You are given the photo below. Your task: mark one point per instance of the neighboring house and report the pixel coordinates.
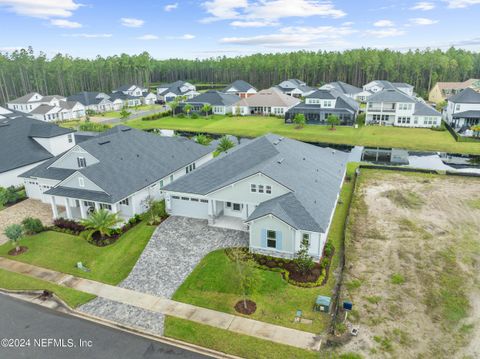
(132, 90)
(379, 85)
(323, 103)
(240, 88)
(117, 170)
(94, 101)
(25, 143)
(221, 103)
(443, 90)
(120, 100)
(169, 92)
(149, 98)
(394, 107)
(463, 111)
(279, 190)
(266, 102)
(344, 88)
(295, 88)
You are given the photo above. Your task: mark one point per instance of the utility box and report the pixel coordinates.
(347, 305)
(322, 304)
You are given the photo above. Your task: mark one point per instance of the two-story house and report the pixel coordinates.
(443, 90)
(241, 89)
(134, 95)
(118, 170)
(319, 105)
(94, 101)
(170, 91)
(463, 110)
(295, 88)
(344, 88)
(279, 190)
(395, 108)
(380, 85)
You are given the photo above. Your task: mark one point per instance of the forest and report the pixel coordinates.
(23, 71)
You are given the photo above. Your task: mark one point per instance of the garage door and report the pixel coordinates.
(33, 189)
(189, 207)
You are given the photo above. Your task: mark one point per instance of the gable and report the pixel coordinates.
(73, 182)
(69, 159)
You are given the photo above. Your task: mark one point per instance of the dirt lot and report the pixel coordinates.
(412, 266)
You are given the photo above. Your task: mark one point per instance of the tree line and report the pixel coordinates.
(23, 71)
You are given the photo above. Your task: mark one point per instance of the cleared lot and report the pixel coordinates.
(412, 266)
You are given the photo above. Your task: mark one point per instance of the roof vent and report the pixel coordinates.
(138, 156)
(280, 161)
(304, 158)
(276, 142)
(280, 139)
(333, 152)
(103, 143)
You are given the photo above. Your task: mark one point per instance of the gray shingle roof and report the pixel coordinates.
(467, 114)
(125, 88)
(240, 86)
(24, 98)
(344, 88)
(43, 171)
(215, 98)
(42, 109)
(422, 109)
(466, 96)
(86, 98)
(312, 173)
(18, 148)
(322, 94)
(173, 87)
(80, 193)
(390, 95)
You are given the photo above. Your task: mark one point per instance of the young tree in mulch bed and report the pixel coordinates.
(14, 233)
(247, 278)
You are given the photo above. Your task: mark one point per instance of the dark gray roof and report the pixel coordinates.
(42, 109)
(390, 95)
(86, 98)
(18, 148)
(43, 171)
(401, 84)
(340, 108)
(173, 87)
(240, 86)
(322, 94)
(81, 136)
(125, 88)
(344, 88)
(122, 96)
(422, 109)
(80, 193)
(312, 173)
(215, 98)
(342, 101)
(467, 114)
(24, 98)
(130, 160)
(466, 96)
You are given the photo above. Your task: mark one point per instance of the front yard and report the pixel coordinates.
(374, 136)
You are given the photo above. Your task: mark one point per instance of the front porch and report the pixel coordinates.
(231, 215)
(229, 223)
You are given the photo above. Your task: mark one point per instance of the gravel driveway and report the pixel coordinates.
(174, 250)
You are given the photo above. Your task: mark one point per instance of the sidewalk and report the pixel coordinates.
(241, 325)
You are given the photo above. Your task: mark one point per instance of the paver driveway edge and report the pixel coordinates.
(255, 328)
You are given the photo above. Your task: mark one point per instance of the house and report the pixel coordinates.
(295, 88)
(117, 170)
(120, 100)
(169, 92)
(25, 143)
(443, 90)
(394, 107)
(93, 101)
(149, 98)
(379, 85)
(134, 91)
(323, 103)
(344, 88)
(222, 103)
(240, 88)
(463, 111)
(266, 102)
(279, 190)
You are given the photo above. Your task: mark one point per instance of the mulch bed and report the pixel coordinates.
(14, 252)
(250, 309)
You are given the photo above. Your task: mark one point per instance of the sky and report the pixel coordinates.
(201, 29)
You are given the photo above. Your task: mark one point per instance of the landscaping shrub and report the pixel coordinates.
(9, 195)
(32, 225)
(182, 115)
(328, 250)
(93, 127)
(68, 226)
(194, 115)
(157, 116)
(361, 119)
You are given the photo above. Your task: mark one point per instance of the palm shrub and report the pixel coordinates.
(299, 120)
(333, 121)
(206, 109)
(187, 108)
(32, 225)
(173, 105)
(202, 139)
(225, 144)
(14, 233)
(101, 221)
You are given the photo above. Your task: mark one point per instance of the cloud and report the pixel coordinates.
(41, 8)
(383, 23)
(458, 4)
(171, 7)
(422, 21)
(257, 23)
(348, 23)
(148, 37)
(293, 36)
(388, 32)
(66, 24)
(423, 5)
(88, 36)
(182, 37)
(131, 22)
(271, 10)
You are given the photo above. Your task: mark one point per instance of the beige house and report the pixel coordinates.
(442, 90)
(266, 102)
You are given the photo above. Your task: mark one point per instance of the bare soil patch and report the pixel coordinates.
(247, 309)
(412, 266)
(14, 252)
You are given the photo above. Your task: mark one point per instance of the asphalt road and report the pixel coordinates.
(36, 332)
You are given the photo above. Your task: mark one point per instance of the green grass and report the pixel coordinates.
(474, 203)
(376, 136)
(404, 199)
(231, 343)
(16, 281)
(61, 252)
(397, 278)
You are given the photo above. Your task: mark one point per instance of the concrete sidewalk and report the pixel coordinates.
(241, 325)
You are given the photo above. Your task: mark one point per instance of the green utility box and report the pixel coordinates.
(322, 304)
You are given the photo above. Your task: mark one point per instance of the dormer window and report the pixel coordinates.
(70, 138)
(82, 162)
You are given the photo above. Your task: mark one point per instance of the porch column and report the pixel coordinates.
(82, 210)
(97, 206)
(68, 209)
(54, 207)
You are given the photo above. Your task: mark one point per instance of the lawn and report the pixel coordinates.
(375, 136)
(61, 252)
(16, 281)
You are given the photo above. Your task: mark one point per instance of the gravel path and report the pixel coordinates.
(174, 250)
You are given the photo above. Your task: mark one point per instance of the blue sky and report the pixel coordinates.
(191, 29)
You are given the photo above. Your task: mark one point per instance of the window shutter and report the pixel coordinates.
(264, 238)
(279, 240)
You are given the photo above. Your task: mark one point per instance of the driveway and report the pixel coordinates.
(172, 253)
(27, 208)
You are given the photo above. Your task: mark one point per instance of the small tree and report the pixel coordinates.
(173, 105)
(14, 233)
(333, 121)
(187, 108)
(202, 140)
(156, 210)
(476, 130)
(225, 144)
(299, 120)
(124, 114)
(303, 260)
(206, 109)
(246, 274)
(101, 221)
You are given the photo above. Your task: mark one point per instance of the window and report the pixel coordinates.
(82, 162)
(89, 204)
(185, 198)
(204, 200)
(268, 189)
(253, 188)
(125, 202)
(260, 188)
(306, 237)
(105, 206)
(161, 183)
(190, 168)
(171, 178)
(229, 204)
(457, 107)
(271, 239)
(237, 207)
(175, 197)
(81, 182)
(194, 199)
(70, 138)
